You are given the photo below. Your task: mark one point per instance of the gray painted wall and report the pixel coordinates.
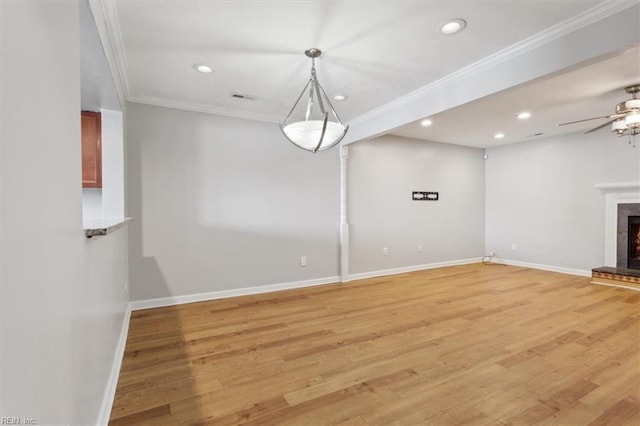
(223, 203)
(382, 174)
(62, 296)
(541, 196)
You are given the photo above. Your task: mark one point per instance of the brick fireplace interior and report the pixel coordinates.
(628, 237)
(633, 243)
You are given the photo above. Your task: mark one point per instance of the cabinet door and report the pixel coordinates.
(91, 150)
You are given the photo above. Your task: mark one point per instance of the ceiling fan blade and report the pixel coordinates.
(600, 126)
(586, 119)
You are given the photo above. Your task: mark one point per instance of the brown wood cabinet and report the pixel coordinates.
(91, 150)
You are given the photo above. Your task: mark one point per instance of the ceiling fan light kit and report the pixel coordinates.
(316, 131)
(626, 120)
(627, 117)
(632, 121)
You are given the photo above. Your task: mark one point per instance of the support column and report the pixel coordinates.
(344, 217)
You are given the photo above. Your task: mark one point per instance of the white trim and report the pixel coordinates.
(551, 268)
(112, 381)
(223, 294)
(208, 109)
(413, 268)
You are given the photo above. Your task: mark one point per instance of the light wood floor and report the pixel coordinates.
(472, 345)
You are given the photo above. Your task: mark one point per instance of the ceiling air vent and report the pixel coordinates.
(245, 97)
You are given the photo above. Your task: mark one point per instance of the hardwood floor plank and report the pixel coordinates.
(469, 345)
(622, 413)
(148, 415)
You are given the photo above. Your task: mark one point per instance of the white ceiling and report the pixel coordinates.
(375, 52)
(592, 90)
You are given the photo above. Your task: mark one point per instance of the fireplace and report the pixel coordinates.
(628, 236)
(633, 242)
(621, 236)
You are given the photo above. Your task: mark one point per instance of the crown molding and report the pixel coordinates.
(106, 19)
(111, 37)
(590, 16)
(209, 109)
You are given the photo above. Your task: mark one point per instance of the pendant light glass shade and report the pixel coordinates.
(313, 125)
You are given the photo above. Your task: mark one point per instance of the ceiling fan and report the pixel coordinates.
(625, 121)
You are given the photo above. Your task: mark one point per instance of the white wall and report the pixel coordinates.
(541, 196)
(383, 172)
(112, 163)
(91, 203)
(62, 296)
(224, 203)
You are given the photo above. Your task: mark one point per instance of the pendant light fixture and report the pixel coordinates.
(310, 126)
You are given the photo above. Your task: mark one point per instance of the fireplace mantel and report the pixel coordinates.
(615, 193)
(619, 187)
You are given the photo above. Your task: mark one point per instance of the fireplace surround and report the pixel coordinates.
(622, 238)
(617, 194)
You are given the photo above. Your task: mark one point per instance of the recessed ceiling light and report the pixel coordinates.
(205, 69)
(499, 135)
(524, 115)
(340, 97)
(452, 26)
(426, 123)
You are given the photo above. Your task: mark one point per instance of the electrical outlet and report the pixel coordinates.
(420, 248)
(514, 246)
(385, 251)
(303, 261)
(492, 253)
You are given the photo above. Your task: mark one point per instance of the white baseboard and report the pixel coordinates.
(551, 268)
(223, 294)
(112, 381)
(413, 268)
